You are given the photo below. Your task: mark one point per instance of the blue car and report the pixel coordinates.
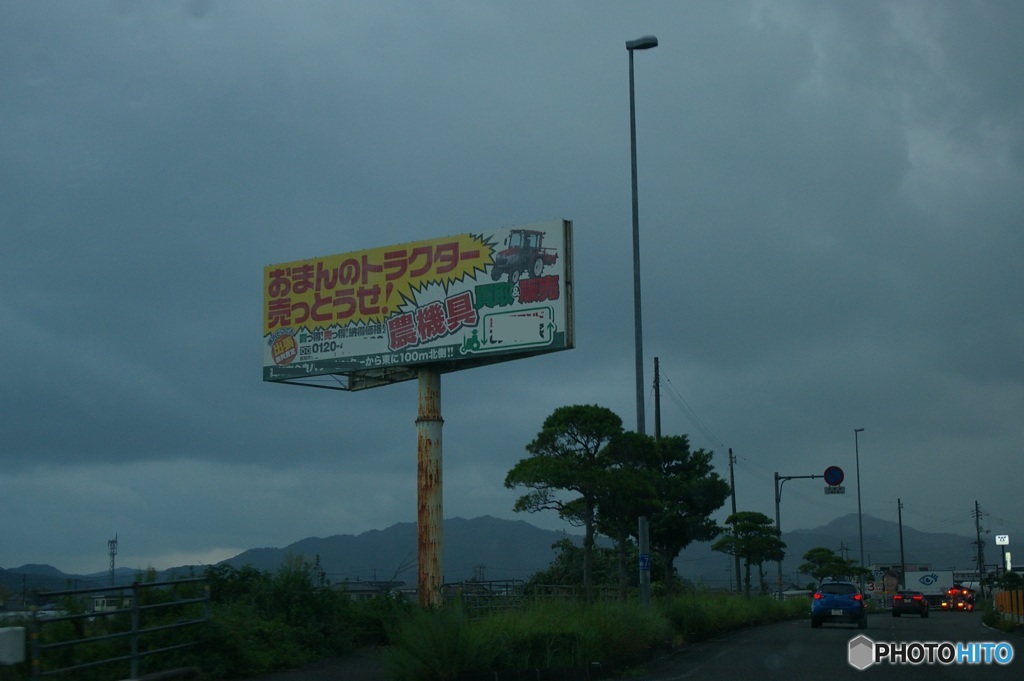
(838, 602)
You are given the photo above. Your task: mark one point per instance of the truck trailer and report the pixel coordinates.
(932, 583)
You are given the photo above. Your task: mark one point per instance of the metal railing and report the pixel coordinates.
(480, 598)
(93, 626)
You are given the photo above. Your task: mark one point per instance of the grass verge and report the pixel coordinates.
(444, 644)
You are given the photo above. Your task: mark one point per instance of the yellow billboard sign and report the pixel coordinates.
(370, 317)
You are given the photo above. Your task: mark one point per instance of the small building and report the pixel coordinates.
(111, 603)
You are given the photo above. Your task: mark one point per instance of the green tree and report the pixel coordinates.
(1007, 581)
(566, 458)
(567, 567)
(688, 491)
(822, 563)
(755, 539)
(629, 491)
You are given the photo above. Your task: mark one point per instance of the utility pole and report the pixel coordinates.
(112, 550)
(780, 480)
(903, 560)
(732, 484)
(981, 548)
(643, 534)
(657, 400)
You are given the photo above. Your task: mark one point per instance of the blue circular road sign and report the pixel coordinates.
(834, 475)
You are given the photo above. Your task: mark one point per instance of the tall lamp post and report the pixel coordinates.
(860, 518)
(645, 43)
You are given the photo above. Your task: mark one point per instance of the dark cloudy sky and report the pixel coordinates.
(831, 209)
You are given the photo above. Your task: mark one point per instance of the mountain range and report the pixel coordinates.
(493, 549)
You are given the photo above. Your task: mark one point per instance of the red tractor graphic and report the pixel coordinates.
(524, 252)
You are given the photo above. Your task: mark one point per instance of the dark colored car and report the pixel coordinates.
(838, 602)
(912, 602)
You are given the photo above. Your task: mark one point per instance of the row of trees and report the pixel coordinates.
(596, 475)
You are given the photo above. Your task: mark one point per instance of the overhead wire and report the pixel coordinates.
(668, 388)
(936, 524)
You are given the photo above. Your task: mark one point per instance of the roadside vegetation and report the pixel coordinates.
(582, 612)
(615, 637)
(1012, 584)
(264, 622)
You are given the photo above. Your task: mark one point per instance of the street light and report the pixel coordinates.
(860, 518)
(645, 43)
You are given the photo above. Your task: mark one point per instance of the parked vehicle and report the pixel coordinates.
(838, 602)
(909, 602)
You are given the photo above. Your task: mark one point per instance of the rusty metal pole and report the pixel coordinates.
(428, 488)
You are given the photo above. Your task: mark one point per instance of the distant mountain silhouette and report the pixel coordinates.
(508, 549)
(36, 577)
(494, 549)
(39, 569)
(937, 550)
(487, 546)
(940, 550)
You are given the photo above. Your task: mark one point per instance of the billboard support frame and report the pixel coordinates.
(429, 490)
(372, 318)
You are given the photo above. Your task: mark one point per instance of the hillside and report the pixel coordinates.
(502, 549)
(495, 549)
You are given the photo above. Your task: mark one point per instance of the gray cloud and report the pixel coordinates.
(830, 211)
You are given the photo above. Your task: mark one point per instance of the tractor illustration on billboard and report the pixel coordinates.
(524, 252)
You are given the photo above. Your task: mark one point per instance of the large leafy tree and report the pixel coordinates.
(567, 567)
(755, 539)
(688, 491)
(823, 563)
(566, 459)
(629, 491)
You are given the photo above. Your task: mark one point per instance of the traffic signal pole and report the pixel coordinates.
(780, 480)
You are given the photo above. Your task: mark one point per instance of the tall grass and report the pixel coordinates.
(437, 645)
(700, 615)
(264, 622)
(443, 644)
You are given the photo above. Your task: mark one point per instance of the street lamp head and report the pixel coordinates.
(858, 430)
(645, 43)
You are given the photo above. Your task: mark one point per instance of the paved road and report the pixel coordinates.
(362, 666)
(792, 651)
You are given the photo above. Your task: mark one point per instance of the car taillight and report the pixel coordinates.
(857, 597)
(817, 595)
(897, 598)
(918, 598)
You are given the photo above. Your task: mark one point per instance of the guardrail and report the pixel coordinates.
(90, 626)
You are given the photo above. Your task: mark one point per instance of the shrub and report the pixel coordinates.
(376, 621)
(700, 615)
(432, 645)
(264, 622)
(439, 644)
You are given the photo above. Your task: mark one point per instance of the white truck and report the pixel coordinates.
(932, 583)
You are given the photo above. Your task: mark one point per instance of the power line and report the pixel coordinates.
(688, 411)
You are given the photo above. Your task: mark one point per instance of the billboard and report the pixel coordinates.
(368, 318)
